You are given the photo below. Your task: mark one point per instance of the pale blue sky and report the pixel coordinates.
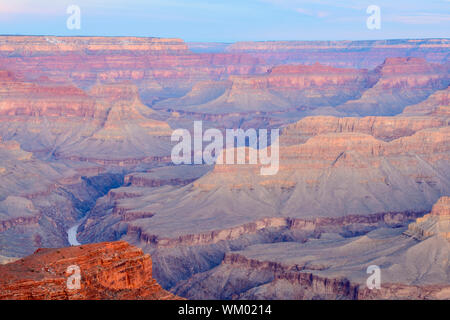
(230, 20)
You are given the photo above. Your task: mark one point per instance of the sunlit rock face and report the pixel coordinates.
(113, 271)
(436, 223)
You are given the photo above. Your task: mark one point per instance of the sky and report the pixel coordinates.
(230, 20)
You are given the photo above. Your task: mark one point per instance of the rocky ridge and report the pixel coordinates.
(113, 271)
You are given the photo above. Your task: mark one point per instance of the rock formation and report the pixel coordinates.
(113, 271)
(402, 82)
(436, 223)
(317, 89)
(107, 124)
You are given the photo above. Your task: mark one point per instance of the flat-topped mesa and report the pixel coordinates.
(436, 223)
(316, 68)
(385, 128)
(428, 143)
(412, 72)
(358, 165)
(255, 46)
(64, 102)
(111, 270)
(305, 76)
(401, 82)
(52, 45)
(26, 98)
(406, 65)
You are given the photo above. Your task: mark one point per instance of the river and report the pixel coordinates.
(72, 234)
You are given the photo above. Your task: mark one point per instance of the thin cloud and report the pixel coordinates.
(312, 13)
(424, 18)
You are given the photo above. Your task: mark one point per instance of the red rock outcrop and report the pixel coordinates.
(435, 223)
(113, 271)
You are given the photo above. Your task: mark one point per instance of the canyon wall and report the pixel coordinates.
(360, 54)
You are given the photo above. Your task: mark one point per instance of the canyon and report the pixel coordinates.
(85, 158)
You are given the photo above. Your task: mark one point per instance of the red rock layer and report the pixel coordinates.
(35, 45)
(301, 77)
(113, 270)
(154, 64)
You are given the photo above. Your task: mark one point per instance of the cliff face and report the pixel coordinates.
(383, 128)
(50, 45)
(360, 54)
(158, 67)
(436, 223)
(281, 88)
(113, 270)
(319, 89)
(402, 82)
(166, 68)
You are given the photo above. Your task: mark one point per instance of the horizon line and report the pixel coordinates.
(215, 41)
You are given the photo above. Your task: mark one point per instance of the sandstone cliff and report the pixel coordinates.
(113, 271)
(436, 223)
